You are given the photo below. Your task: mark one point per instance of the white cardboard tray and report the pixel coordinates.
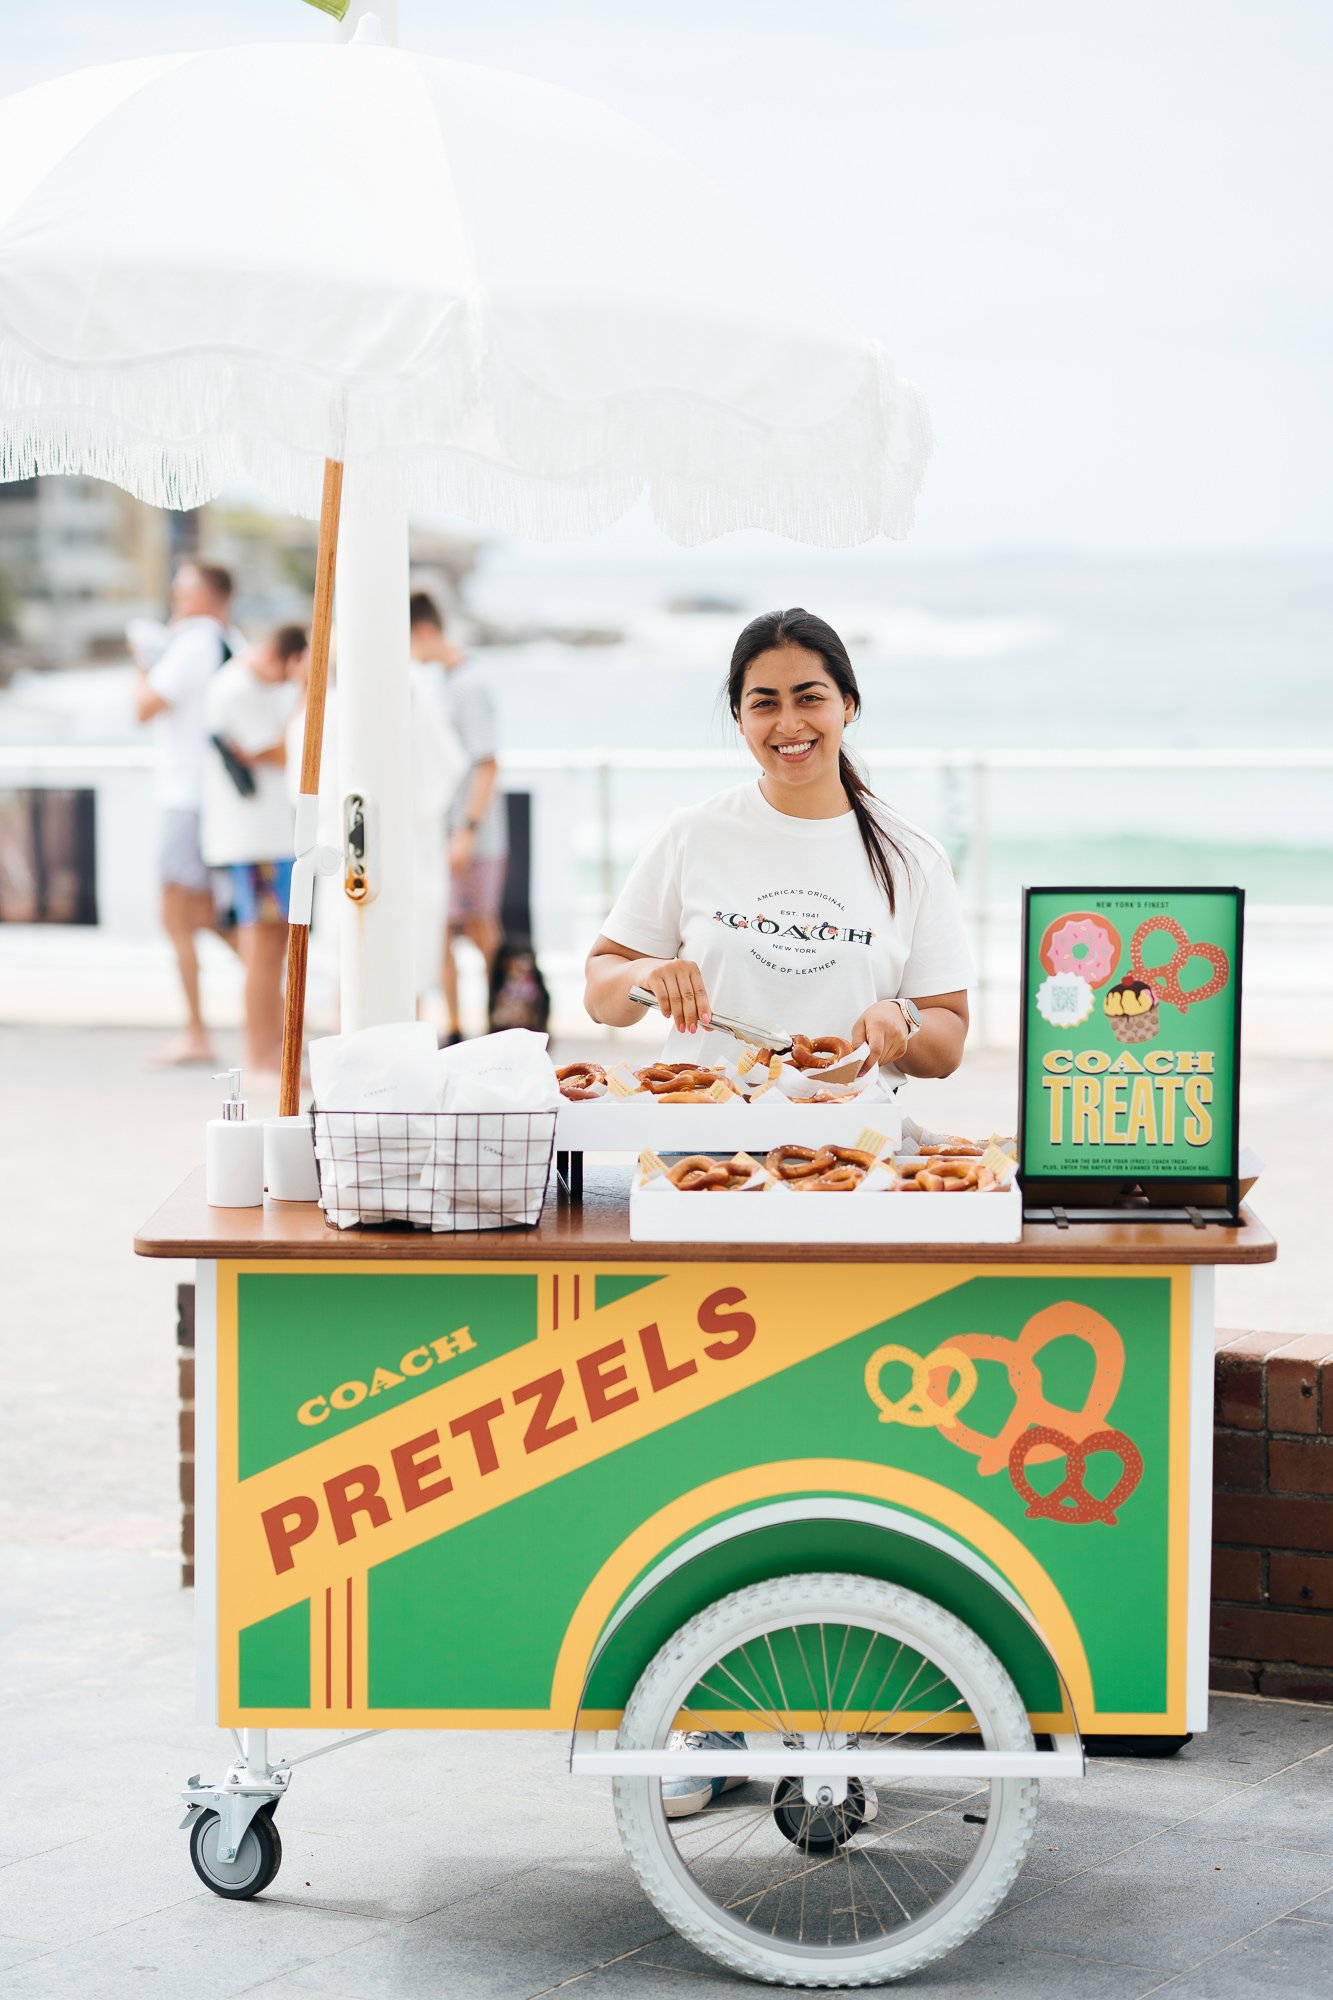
(659, 1214)
(627, 1125)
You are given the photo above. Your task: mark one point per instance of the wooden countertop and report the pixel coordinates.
(597, 1231)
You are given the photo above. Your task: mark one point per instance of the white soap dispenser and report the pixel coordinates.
(233, 1152)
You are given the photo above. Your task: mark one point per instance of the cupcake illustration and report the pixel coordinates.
(1131, 1008)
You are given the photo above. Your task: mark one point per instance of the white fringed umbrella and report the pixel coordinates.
(475, 293)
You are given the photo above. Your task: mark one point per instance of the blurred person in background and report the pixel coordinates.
(248, 822)
(169, 693)
(478, 824)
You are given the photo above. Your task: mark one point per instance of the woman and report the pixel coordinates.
(798, 903)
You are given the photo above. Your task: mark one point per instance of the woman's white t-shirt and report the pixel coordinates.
(786, 921)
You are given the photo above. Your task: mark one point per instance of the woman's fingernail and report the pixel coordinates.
(707, 1020)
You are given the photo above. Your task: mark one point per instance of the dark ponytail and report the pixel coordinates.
(775, 629)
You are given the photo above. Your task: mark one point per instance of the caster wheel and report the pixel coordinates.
(258, 1858)
(817, 1829)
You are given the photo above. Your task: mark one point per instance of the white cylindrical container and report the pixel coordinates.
(289, 1159)
(233, 1153)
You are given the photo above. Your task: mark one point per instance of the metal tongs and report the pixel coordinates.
(744, 1031)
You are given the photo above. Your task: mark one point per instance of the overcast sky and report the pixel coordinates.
(1096, 234)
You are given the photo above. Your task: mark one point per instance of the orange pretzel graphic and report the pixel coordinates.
(1019, 1359)
(1165, 979)
(1086, 1506)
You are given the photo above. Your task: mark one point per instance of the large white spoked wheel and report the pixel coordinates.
(855, 1893)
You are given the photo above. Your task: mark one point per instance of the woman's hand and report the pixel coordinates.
(676, 984)
(884, 1030)
(678, 987)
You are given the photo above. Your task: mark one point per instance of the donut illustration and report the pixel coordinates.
(1083, 944)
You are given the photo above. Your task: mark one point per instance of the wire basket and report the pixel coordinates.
(440, 1170)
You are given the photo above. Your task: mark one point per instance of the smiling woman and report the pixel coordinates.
(799, 900)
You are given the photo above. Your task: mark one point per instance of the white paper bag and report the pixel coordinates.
(510, 1071)
(389, 1068)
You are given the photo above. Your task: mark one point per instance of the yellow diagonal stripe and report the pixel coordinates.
(701, 1334)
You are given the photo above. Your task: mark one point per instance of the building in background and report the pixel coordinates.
(79, 558)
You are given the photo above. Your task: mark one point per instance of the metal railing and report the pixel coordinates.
(597, 821)
(973, 772)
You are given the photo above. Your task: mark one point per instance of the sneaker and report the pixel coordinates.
(683, 1796)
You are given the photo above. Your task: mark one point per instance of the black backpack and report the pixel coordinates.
(519, 996)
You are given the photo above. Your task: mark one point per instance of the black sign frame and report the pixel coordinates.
(1166, 1197)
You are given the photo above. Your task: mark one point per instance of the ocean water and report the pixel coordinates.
(1008, 653)
(1004, 654)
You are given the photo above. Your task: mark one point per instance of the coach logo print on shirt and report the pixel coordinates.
(794, 930)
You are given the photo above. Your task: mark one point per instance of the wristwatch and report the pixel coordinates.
(910, 1015)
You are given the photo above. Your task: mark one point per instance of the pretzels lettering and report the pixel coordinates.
(1165, 979)
(1019, 1360)
(1073, 1488)
(920, 1408)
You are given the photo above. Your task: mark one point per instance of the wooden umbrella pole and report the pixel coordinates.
(298, 936)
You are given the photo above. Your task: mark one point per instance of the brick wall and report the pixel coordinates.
(1272, 1510)
(1272, 1630)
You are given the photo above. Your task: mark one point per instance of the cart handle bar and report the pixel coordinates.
(1064, 1761)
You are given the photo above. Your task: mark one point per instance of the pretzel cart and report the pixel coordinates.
(832, 1503)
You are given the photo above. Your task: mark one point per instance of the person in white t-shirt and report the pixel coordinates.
(248, 822)
(798, 902)
(169, 690)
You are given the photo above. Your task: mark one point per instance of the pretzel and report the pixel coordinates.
(1073, 1487)
(968, 1148)
(797, 1163)
(580, 1080)
(701, 1174)
(821, 1053)
(687, 1096)
(838, 1180)
(697, 1171)
(1020, 1360)
(658, 1077)
(1165, 978)
(852, 1156)
(950, 1176)
(920, 1408)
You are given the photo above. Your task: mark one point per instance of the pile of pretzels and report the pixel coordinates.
(820, 1169)
(953, 1166)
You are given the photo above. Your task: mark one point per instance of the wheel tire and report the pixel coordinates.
(806, 1599)
(258, 1858)
(817, 1832)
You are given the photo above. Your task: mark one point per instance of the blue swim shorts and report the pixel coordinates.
(260, 891)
